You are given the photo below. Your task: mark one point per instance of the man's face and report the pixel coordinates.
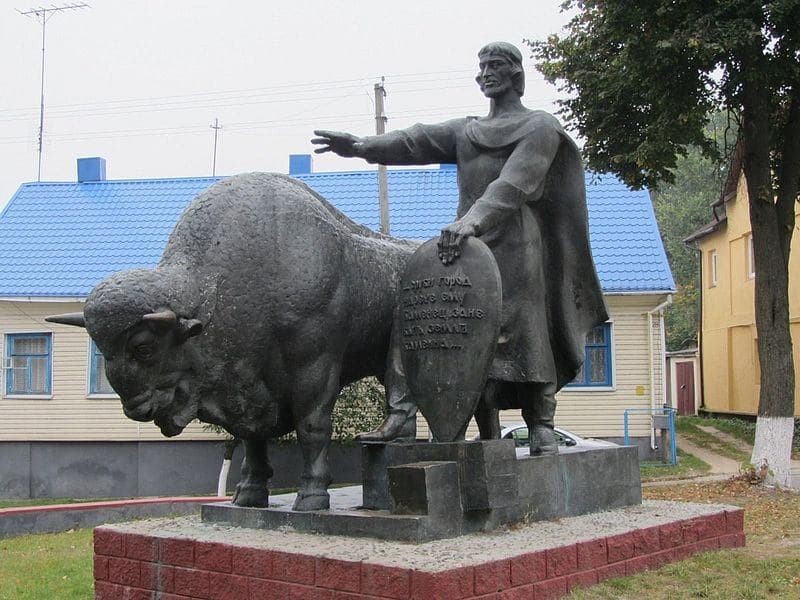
(494, 77)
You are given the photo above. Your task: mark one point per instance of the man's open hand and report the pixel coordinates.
(338, 142)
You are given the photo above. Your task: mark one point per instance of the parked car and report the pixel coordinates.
(519, 433)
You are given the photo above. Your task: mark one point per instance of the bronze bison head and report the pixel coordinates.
(137, 320)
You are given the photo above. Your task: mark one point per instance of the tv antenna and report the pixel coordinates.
(43, 15)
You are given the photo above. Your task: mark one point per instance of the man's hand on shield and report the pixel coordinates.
(452, 237)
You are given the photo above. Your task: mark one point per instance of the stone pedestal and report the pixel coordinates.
(424, 491)
(487, 471)
(186, 558)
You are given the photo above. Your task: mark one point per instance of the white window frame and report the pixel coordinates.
(751, 259)
(4, 381)
(90, 345)
(713, 266)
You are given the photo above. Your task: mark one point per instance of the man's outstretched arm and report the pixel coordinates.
(417, 145)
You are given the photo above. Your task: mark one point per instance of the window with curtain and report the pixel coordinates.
(596, 369)
(98, 384)
(28, 364)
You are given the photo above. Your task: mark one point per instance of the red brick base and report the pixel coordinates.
(130, 566)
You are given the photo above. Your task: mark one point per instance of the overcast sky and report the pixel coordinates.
(140, 82)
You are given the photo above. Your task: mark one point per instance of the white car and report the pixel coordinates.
(519, 433)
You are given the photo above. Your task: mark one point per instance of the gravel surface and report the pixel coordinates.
(439, 554)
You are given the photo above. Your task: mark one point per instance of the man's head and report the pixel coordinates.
(500, 66)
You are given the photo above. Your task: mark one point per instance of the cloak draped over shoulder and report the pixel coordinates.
(521, 183)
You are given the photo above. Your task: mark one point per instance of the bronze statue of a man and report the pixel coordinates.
(522, 192)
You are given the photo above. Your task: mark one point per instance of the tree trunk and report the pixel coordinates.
(774, 427)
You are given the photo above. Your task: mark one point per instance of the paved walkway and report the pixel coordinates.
(722, 468)
(727, 438)
(720, 465)
(743, 446)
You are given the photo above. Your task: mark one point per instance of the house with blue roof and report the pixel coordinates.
(58, 239)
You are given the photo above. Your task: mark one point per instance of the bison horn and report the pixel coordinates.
(164, 317)
(77, 319)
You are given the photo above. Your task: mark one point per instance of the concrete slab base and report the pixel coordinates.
(186, 558)
(425, 491)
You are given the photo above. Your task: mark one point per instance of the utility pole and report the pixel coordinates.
(43, 15)
(383, 185)
(216, 127)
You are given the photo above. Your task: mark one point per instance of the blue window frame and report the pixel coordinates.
(98, 384)
(28, 364)
(596, 369)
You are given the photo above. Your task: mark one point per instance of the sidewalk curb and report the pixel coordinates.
(53, 518)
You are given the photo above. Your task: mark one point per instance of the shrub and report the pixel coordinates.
(359, 407)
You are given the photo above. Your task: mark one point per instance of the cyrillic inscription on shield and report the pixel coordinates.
(449, 320)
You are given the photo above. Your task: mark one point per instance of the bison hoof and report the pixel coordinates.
(248, 494)
(306, 502)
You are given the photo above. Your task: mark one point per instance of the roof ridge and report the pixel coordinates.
(112, 181)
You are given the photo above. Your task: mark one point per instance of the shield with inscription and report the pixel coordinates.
(449, 320)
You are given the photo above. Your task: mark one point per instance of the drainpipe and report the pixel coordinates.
(651, 366)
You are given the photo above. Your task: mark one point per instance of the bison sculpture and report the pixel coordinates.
(266, 302)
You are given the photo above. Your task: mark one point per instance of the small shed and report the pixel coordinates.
(683, 381)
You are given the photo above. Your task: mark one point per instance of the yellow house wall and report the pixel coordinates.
(70, 413)
(728, 338)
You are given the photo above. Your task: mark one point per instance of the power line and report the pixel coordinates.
(175, 102)
(43, 15)
(249, 126)
(143, 106)
(270, 90)
(301, 117)
(121, 111)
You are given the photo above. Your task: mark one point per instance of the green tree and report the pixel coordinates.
(681, 208)
(643, 77)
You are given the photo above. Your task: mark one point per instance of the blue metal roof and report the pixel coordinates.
(60, 239)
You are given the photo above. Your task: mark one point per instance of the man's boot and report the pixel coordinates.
(397, 427)
(539, 419)
(543, 440)
(400, 424)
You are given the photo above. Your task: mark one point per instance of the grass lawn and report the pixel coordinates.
(688, 466)
(768, 567)
(47, 566)
(738, 428)
(688, 427)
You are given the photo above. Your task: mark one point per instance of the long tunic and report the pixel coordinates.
(528, 201)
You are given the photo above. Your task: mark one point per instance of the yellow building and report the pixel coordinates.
(728, 338)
